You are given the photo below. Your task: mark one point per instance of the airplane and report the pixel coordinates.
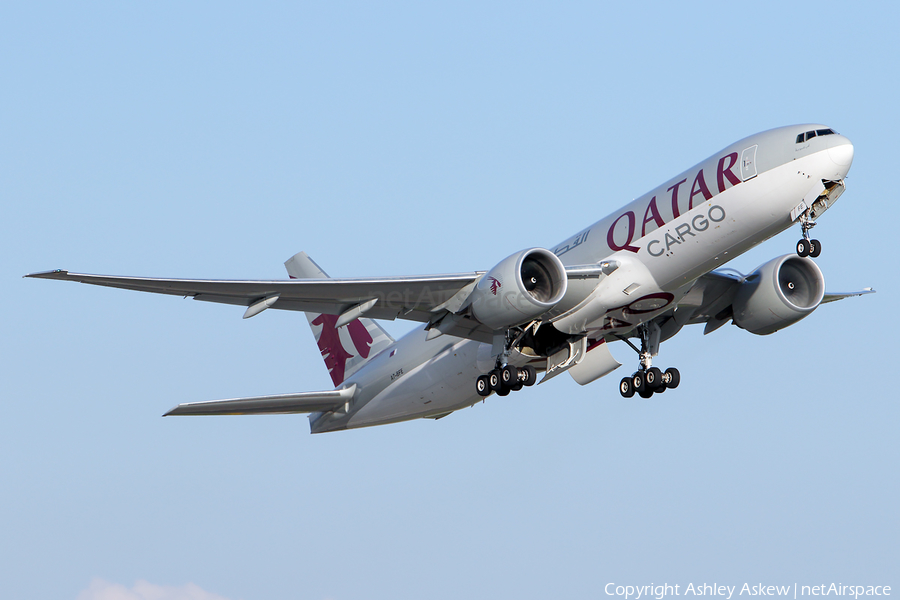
(641, 274)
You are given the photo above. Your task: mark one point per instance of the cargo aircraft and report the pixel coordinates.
(637, 276)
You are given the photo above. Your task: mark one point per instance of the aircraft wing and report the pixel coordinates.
(709, 300)
(304, 402)
(835, 296)
(416, 298)
(412, 298)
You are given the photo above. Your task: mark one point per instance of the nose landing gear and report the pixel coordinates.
(807, 247)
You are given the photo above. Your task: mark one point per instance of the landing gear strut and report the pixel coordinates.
(648, 380)
(807, 247)
(506, 378)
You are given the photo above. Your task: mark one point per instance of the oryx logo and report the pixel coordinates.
(332, 347)
(495, 285)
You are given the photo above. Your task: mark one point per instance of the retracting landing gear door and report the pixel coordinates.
(748, 163)
(833, 191)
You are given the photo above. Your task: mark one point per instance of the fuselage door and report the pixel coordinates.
(748, 163)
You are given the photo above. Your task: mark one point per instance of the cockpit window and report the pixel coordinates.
(805, 137)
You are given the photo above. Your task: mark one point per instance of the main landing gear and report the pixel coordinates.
(648, 380)
(505, 380)
(807, 247)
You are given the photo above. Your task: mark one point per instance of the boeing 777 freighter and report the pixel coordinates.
(637, 276)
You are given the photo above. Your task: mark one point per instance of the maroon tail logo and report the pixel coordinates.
(495, 285)
(333, 351)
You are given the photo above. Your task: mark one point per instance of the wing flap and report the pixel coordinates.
(303, 402)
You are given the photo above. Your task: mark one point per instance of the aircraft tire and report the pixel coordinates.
(494, 381)
(639, 382)
(674, 378)
(482, 386)
(816, 248)
(654, 379)
(626, 388)
(503, 391)
(803, 248)
(645, 394)
(509, 375)
(530, 375)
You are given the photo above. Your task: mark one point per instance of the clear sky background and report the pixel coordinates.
(217, 139)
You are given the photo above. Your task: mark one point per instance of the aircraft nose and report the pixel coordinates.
(841, 152)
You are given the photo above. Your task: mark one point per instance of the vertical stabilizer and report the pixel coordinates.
(344, 349)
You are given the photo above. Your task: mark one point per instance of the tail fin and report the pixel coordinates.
(365, 336)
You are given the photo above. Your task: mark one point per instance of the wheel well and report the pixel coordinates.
(546, 341)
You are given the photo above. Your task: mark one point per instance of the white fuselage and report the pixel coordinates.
(663, 241)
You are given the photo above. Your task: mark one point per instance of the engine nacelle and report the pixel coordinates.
(778, 294)
(520, 288)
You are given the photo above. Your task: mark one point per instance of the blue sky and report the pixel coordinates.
(218, 139)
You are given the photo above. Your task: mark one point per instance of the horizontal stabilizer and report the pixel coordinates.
(303, 402)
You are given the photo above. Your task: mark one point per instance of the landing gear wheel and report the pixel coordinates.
(482, 386)
(530, 375)
(638, 382)
(494, 381)
(803, 248)
(503, 391)
(509, 375)
(645, 393)
(653, 377)
(816, 248)
(626, 387)
(516, 386)
(673, 378)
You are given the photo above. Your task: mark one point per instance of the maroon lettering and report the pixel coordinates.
(610, 235)
(674, 190)
(724, 171)
(699, 187)
(651, 214)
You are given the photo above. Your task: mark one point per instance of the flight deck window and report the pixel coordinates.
(805, 137)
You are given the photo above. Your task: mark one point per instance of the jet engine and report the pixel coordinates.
(778, 294)
(520, 288)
